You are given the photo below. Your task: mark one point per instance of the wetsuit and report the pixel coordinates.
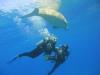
(59, 58)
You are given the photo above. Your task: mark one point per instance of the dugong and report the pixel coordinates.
(55, 18)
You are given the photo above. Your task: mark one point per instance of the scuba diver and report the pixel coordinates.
(46, 46)
(59, 58)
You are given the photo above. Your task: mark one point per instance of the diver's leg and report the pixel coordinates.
(36, 52)
(19, 56)
(54, 68)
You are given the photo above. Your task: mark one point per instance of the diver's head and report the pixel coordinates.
(65, 50)
(65, 46)
(51, 39)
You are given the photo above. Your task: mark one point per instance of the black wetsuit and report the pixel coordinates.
(45, 47)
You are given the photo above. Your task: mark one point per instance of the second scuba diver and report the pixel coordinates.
(59, 58)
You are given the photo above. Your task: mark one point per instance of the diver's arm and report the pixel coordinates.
(50, 58)
(66, 54)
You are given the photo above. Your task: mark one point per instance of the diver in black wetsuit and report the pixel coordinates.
(59, 58)
(45, 46)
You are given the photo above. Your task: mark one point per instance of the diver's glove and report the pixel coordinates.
(47, 57)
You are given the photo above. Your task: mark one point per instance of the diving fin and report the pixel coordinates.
(12, 60)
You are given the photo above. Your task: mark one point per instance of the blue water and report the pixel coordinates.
(83, 37)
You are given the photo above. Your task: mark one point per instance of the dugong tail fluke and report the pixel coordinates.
(34, 13)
